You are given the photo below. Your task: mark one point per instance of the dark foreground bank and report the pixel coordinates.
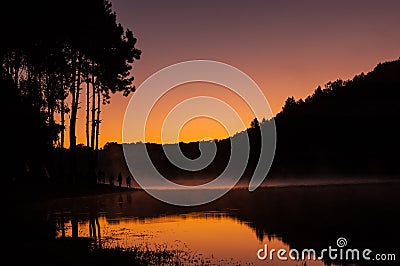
(31, 236)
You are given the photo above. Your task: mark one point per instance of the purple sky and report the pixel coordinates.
(287, 47)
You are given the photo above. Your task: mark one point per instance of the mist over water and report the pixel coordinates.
(277, 182)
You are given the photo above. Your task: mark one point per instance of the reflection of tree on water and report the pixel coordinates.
(261, 233)
(61, 225)
(94, 228)
(315, 217)
(74, 222)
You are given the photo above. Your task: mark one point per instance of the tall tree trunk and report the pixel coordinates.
(51, 86)
(74, 108)
(72, 121)
(72, 138)
(93, 110)
(91, 153)
(98, 120)
(97, 129)
(91, 167)
(87, 109)
(62, 111)
(74, 111)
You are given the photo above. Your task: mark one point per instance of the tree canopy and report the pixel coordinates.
(51, 49)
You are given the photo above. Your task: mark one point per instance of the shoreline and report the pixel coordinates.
(33, 192)
(22, 193)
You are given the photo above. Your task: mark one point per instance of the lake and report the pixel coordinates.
(233, 229)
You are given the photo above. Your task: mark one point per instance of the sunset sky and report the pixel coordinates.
(287, 47)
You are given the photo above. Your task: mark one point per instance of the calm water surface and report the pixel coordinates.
(233, 228)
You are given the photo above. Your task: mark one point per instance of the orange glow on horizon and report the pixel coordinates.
(300, 86)
(198, 129)
(166, 124)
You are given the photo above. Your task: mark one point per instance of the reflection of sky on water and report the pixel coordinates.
(214, 236)
(241, 222)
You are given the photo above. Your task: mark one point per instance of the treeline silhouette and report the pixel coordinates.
(58, 57)
(347, 128)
